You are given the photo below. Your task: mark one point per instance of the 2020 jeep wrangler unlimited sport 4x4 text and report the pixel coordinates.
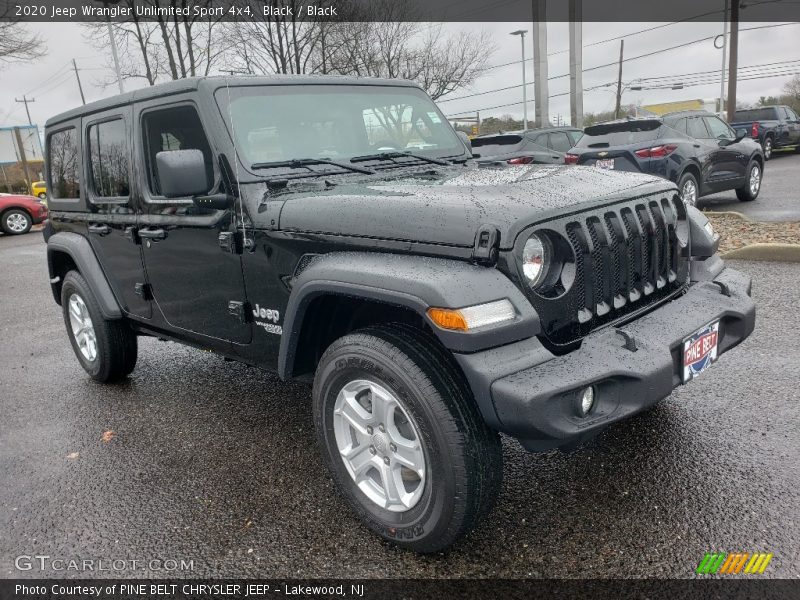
(336, 230)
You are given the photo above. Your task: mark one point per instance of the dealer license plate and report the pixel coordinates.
(604, 163)
(700, 350)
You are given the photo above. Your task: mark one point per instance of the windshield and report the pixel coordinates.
(275, 123)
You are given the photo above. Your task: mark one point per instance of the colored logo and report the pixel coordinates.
(700, 350)
(734, 564)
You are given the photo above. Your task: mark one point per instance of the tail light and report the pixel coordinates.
(656, 151)
(570, 159)
(521, 160)
(754, 131)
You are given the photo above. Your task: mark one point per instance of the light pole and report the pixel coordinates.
(521, 33)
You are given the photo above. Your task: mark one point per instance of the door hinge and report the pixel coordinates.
(144, 290)
(240, 310)
(132, 234)
(231, 241)
(487, 244)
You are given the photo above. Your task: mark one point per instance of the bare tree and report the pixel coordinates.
(17, 43)
(382, 38)
(792, 87)
(168, 47)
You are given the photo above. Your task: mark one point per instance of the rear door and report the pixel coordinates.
(559, 143)
(111, 221)
(197, 286)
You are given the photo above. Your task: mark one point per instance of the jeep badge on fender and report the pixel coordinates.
(337, 230)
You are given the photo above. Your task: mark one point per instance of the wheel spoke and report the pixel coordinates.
(409, 454)
(355, 414)
(392, 485)
(359, 459)
(383, 406)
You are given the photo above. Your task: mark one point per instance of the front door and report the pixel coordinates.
(728, 163)
(196, 285)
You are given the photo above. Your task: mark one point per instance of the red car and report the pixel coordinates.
(18, 212)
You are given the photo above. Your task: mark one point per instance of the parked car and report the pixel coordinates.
(19, 212)
(540, 146)
(433, 303)
(771, 126)
(695, 149)
(39, 190)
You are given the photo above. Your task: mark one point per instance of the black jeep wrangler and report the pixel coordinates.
(336, 230)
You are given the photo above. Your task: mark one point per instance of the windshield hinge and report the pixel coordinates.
(487, 244)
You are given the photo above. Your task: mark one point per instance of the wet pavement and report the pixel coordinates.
(779, 199)
(216, 463)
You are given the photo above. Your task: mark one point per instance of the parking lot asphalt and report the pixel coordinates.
(779, 199)
(215, 462)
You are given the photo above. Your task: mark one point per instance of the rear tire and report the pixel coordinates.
(106, 349)
(767, 147)
(459, 461)
(749, 191)
(16, 222)
(689, 189)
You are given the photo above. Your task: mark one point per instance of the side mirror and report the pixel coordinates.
(741, 133)
(182, 173)
(465, 138)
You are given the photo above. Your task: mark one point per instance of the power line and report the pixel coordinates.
(615, 63)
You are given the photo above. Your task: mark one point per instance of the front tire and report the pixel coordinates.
(403, 439)
(749, 191)
(105, 348)
(16, 222)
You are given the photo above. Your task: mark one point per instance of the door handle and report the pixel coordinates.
(100, 229)
(152, 234)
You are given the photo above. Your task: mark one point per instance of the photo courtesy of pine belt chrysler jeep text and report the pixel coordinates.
(337, 230)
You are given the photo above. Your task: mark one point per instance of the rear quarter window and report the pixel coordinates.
(64, 165)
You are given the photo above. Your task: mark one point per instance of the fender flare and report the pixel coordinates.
(411, 282)
(80, 251)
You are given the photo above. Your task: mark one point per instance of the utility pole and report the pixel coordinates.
(724, 59)
(26, 101)
(521, 33)
(733, 61)
(576, 63)
(114, 55)
(541, 102)
(78, 77)
(619, 79)
(22, 158)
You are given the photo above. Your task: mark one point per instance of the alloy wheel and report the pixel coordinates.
(82, 327)
(768, 148)
(380, 445)
(755, 179)
(689, 193)
(17, 222)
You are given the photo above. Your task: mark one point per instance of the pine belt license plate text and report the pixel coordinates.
(700, 350)
(604, 163)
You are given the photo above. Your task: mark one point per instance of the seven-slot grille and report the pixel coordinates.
(627, 257)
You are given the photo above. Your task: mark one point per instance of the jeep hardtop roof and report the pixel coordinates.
(211, 83)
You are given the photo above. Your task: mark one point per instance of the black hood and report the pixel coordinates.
(449, 210)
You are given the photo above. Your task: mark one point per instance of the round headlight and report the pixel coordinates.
(535, 260)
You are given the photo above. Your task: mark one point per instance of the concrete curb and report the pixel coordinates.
(766, 252)
(728, 213)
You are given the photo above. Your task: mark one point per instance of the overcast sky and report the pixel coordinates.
(48, 82)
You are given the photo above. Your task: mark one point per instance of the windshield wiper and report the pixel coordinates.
(296, 163)
(393, 155)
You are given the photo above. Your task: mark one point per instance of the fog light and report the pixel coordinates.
(587, 400)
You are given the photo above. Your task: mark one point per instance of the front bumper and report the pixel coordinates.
(527, 392)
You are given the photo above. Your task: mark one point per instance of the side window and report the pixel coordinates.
(783, 113)
(177, 128)
(63, 163)
(560, 142)
(717, 128)
(109, 159)
(680, 126)
(696, 128)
